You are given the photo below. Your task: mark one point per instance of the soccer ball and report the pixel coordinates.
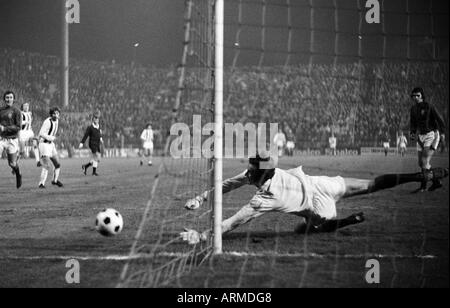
(109, 222)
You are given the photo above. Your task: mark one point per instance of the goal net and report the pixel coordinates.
(317, 68)
(158, 257)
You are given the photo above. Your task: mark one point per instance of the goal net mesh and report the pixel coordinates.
(315, 67)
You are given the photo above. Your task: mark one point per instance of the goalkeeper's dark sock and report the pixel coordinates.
(335, 224)
(391, 180)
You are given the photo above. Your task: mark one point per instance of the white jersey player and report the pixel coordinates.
(280, 142)
(333, 144)
(402, 143)
(147, 144)
(26, 133)
(47, 148)
(313, 198)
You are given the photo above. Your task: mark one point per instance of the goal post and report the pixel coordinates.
(218, 116)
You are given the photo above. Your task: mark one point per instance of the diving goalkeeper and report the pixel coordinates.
(313, 198)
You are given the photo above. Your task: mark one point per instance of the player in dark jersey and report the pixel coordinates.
(10, 125)
(425, 126)
(94, 133)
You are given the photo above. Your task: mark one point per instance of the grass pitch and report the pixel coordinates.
(407, 233)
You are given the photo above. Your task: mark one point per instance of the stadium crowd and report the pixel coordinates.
(362, 104)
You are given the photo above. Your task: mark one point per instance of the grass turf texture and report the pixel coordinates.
(407, 233)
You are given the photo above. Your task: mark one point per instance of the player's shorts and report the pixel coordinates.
(95, 149)
(25, 135)
(386, 145)
(326, 191)
(10, 145)
(148, 146)
(47, 149)
(402, 146)
(430, 140)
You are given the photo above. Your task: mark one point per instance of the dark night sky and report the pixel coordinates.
(109, 28)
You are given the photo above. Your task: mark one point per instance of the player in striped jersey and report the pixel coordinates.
(47, 148)
(26, 133)
(147, 144)
(94, 133)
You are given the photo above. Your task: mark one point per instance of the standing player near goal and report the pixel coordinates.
(402, 142)
(47, 148)
(313, 198)
(10, 124)
(94, 133)
(147, 144)
(425, 125)
(26, 134)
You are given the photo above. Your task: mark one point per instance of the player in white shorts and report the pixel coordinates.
(26, 133)
(47, 148)
(313, 198)
(147, 144)
(425, 125)
(402, 142)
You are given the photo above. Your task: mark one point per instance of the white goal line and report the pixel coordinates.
(237, 254)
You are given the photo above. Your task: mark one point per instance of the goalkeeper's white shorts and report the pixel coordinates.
(326, 192)
(26, 135)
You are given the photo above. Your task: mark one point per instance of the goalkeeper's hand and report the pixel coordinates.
(80, 146)
(192, 237)
(194, 204)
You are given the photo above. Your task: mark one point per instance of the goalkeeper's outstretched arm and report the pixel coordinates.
(227, 186)
(243, 216)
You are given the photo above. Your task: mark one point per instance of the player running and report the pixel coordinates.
(26, 134)
(425, 125)
(47, 148)
(313, 198)
(147, 137)
(402, 143)
(10, 124)
(94, 133)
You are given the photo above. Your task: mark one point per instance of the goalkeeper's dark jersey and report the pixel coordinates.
(94, 134)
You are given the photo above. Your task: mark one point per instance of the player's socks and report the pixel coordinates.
(44, 174)
(16, 170)
(94, 171)
(36, 154)
(335, 224)
(56, 175)
(391, 180)
(86, 167)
